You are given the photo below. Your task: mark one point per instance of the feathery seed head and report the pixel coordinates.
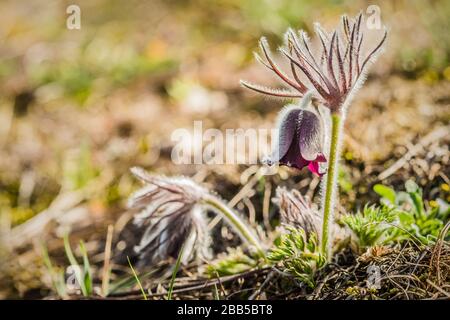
(170, 215)
(334, 72)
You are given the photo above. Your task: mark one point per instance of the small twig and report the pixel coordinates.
(397, 285)
(444, 177)
(237, 198)
(222, 288)
(107, 260)
(251, 210)
(312, 187)
(416, 265)
(322, 284)
(262, 286)
(434, 135)
(184, 289)
(438, 288)
(266, 205)
(436, 255)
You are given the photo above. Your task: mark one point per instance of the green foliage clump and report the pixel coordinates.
(82, 275)
(299, 255)
(414, 219)
(372, 225)
(236, 261)
(402, 216)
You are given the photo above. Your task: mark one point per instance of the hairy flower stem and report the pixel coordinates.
(235, 221)
(331, 188)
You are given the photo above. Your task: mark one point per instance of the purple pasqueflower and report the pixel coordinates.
(334, 70)
(301, 136)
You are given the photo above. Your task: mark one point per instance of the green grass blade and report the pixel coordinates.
(137, 279)
(56, 277)
(87, 277)
(126, 283)
(385, 192)
(74, 264)
(174, 274)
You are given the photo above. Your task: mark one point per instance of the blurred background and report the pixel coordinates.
(79, 107)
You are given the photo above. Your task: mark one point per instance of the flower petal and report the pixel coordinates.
(311, 135)
(293, 157)
(313, 166)
(287, 127)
